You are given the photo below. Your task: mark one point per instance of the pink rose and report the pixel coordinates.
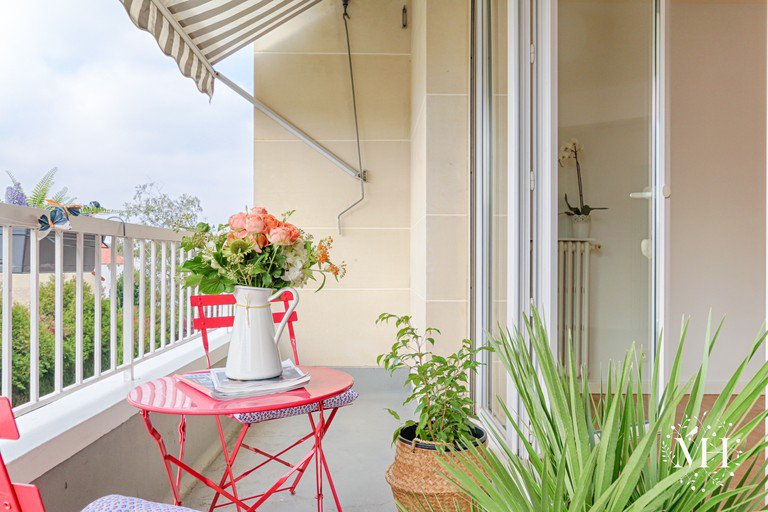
(280, 235)
(237, 221)
(254, 223)
(258, 210)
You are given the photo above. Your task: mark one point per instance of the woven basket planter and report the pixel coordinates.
(417, 476)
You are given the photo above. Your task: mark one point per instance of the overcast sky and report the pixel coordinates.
(84, 90)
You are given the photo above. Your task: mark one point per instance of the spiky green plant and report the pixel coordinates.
(610, 451)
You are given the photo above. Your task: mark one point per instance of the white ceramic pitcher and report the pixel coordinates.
(253, 352)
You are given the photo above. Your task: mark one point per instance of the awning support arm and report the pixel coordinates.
(292, 128)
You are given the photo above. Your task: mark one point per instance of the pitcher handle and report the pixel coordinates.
(288, 313)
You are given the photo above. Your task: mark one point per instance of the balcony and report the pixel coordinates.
(99, 324)
(425, 141)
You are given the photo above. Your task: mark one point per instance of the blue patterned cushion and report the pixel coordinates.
(115, 503)
(341, 400)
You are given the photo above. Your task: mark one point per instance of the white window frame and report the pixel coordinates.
(516, 289)
(541, 106)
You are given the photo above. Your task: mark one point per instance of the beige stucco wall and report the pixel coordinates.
(439, 219)
(406, 245)
(301, 71)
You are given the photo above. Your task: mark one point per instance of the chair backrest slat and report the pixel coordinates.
(14, 497)
(206, 320)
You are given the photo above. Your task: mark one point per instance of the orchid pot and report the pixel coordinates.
(581, 226)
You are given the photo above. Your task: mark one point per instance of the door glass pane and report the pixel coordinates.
(605, 78)
(497, 214)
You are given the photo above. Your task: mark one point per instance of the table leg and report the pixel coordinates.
(182, 443)
(330, 483)
(235, 450)
(164, 453)
(325, 429)
(228, 462)
(319, 457)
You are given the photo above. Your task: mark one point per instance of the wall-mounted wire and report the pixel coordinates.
(362, 174)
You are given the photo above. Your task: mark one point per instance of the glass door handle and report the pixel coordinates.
(641, 195)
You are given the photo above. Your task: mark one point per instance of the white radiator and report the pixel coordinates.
(573, 298)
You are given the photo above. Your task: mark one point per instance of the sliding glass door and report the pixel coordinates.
(605, 181)
(566, 107)
(499, 286)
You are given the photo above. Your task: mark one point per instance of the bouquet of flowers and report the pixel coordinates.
(256, 249)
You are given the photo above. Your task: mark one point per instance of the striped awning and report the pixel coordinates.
(200, 33)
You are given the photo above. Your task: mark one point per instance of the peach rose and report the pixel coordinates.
(280, 235)
(295, 233)
(258, 210)
(254, 224)
(270, 222)
(261, 241)
(237, 221)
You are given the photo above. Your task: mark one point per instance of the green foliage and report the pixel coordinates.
(580, 210)
(42, 191)
(439, 384)
(610, 452)
(20, 356)
(153, 207)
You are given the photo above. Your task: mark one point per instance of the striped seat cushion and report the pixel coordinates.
(341, 400)
(116, 503)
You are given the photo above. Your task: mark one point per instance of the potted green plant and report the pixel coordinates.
(580, 220)
(442, 426)
(640, 445)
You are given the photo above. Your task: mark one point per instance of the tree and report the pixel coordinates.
(152, 206)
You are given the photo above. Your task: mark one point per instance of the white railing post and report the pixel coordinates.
(181, 298)
(152, 295)
(79, 254)
(172, 282)
(58, 301)
(128, 303)
(163, 292)
(113, 303)
(7, 380)
(142, 298)
(97, 291)
(34, 316)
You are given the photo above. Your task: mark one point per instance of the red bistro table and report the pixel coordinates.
(167, 395)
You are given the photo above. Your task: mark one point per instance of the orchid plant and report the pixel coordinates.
(256, 249)
(570, 152)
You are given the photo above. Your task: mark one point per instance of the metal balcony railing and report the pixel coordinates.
(85, 303)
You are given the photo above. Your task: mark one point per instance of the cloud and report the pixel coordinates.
(93, 95)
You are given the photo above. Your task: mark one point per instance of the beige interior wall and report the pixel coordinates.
(604, 101)
(440, 36)
(301, 71)
(717, 156)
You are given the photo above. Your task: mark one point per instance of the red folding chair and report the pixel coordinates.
(208, 317)
(26, 498)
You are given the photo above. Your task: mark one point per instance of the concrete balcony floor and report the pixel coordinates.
(357, 446)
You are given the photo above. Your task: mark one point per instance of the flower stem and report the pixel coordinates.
(578, 174)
